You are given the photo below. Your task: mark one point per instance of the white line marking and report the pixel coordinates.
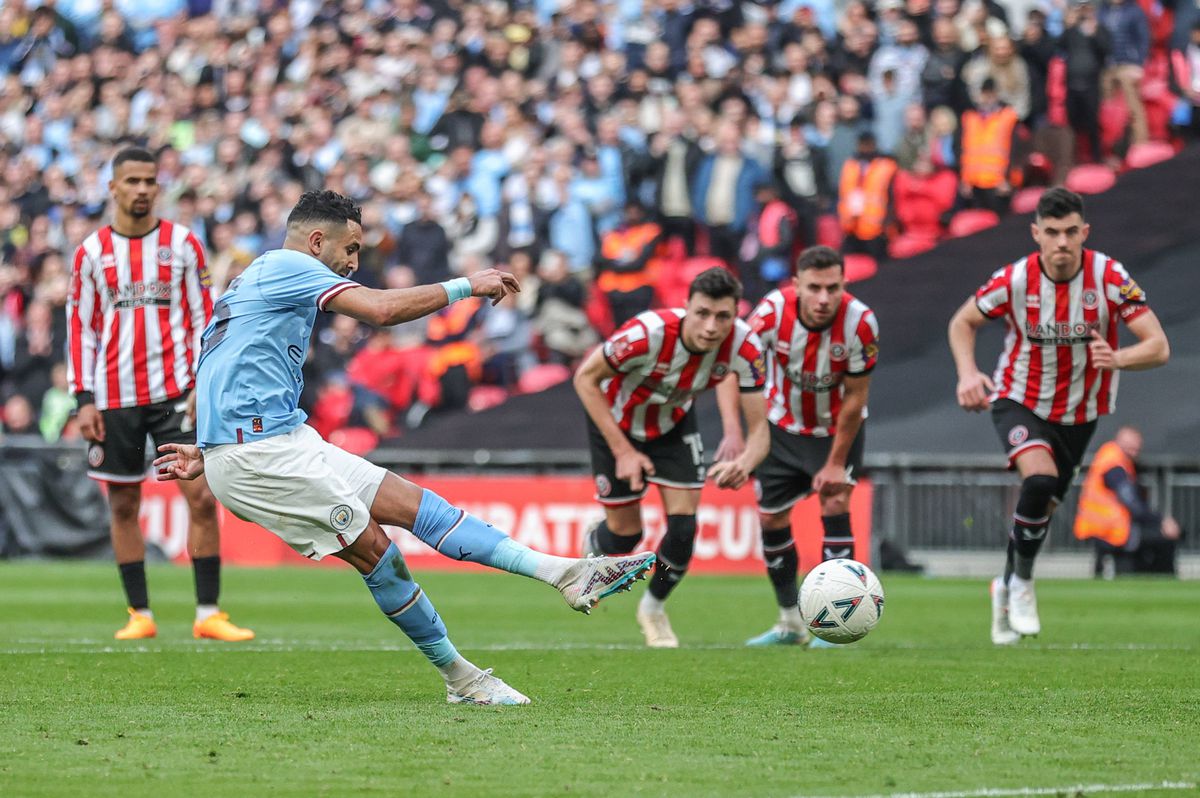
(996, 792)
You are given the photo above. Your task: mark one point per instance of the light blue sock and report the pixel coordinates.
(461, 536)
(406, 605)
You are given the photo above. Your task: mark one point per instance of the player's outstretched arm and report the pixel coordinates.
(384, 308)
(179, 461)
(631, 465)
(974, 386)
(1151, 350)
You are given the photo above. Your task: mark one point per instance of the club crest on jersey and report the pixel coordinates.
(95, 455)
(1018, 435)
(165, 256)
(720, 370)
(1091, 300)
(837, 352)
(858, 571)
(617, 348)
(340, 517)
(603, 486)
(1131, 291)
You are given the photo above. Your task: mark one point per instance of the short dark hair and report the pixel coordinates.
(819, 257)
(324, 206)
(1058, 203)
(716, 283)
(138, 154)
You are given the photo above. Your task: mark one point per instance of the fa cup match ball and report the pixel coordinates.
(841, 600)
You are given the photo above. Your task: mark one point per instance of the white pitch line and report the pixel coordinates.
(999, 792)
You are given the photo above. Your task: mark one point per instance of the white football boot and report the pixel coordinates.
(656, 626)
(1002, 633)
(1022, 607)
(485, 690)
(589, 580)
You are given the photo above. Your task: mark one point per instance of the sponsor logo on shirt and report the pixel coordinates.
(1060, 333)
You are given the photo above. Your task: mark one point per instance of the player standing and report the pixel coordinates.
(1056, 377)
(267, 466)
(138, 304)
(638, 390)
(821, 345)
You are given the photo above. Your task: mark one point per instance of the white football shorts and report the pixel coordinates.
(310, 493)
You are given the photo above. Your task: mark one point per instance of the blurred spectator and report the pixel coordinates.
(424, 246)
(625, 271)
(1130, 34)
(864, 199)
(1005, 69)
(988, 134)
(915, 140)
(58, 404)
(1086, 46)
(17, 417)
(941, 79)
(559, 317)
(1185, 81)
(723, 193)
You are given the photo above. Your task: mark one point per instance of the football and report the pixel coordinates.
(841, 600)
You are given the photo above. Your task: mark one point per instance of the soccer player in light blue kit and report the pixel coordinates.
(267, 466)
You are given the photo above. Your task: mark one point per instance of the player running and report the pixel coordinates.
(638, 390)
(139, 301)
(1056, 377)
(821, 344)
(268, 467)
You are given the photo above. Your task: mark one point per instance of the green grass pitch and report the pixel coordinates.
(332, 700)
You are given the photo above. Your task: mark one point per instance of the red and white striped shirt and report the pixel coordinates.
(658, 376)
(136, 311)
(1046, 364)
(806, 367)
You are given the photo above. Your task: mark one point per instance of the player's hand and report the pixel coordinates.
(91, 424)
(493, 284)
(831, 479)
(731, 447)
(180, 461)
(1171, 529)
(1103, 356)
(973, 391)
(631, 466)
(731, 474)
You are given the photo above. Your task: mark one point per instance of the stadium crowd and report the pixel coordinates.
(602, 151)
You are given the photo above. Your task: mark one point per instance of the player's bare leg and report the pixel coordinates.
(1039, 484)
(458, 535)
(129, 549)
(204, 547)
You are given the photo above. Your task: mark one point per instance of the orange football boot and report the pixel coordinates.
(140, 626)
(218, 627)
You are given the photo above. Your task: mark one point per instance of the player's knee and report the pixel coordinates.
(780, 520)
(125, 502)
(202, 504)
(623, 542)
(835, 503)
(1037, 495)
(679, 542)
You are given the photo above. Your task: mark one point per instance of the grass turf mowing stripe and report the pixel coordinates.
(1000, 792)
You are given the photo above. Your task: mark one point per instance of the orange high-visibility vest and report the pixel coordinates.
(987, 147)
(622, 244)
(863, 197)
(1101, 514)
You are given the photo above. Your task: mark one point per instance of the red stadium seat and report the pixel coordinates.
(484, 397)
(356, 440)
(1091, 179)
(1114, 121)
(860, 267)
(970, 222)
(1026, 200)
(1151, 152)
(543, 376)
(599, 312)
(909, 244)
(829, 231)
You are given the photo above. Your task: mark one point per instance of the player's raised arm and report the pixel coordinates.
(974, 386)
(384, 308)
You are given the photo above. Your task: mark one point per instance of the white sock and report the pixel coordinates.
(206, 611)
(650, 604)
(551, 569)
(1017, 582)
(789, 618)
(146, 612)
(458, 671)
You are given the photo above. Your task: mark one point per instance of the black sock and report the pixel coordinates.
(1010, 560)
(839, 542)
(674, 554)
(608, 542)
(1030, 521)
(779, 552)
(133, 579)
(207, 571)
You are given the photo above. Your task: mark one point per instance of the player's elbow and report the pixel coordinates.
(1163, 352)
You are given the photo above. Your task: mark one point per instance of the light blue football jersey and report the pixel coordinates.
(248, 382)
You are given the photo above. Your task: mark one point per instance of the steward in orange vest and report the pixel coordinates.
(627, 268)
(864, 199)
(1114, 514)
(987, 145)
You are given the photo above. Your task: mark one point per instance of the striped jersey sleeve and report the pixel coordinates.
(994, 298)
